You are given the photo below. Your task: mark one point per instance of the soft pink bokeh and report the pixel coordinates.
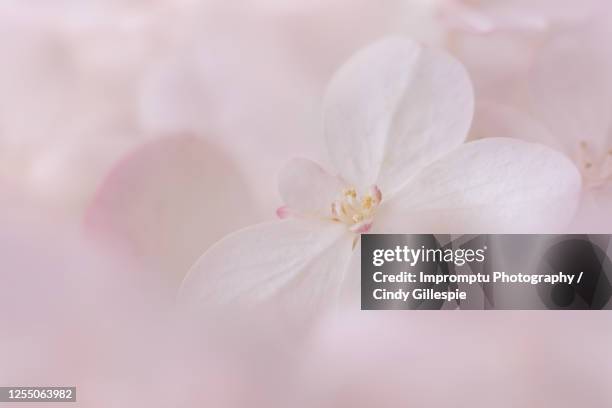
(136, 134)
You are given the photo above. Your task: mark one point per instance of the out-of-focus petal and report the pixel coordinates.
(298, 263)
(498, 120)
(571, 86)
(167, 201)
(484, 17)
(394, 108)
(497, 63)
(593, 215)
(306, 187)
(498, 40)
(490, 185)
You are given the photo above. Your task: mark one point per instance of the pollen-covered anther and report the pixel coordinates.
(596, 166)
(355, 210)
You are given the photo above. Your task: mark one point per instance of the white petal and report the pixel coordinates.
(571, 85)
(490, 185)
(392, 109)
(305, 186)
(298, 263)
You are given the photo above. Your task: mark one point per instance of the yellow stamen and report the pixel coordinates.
(355, 210)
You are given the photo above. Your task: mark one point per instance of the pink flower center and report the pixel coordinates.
(596, 167)
(355, 210)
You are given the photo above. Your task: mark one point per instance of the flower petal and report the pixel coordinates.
(298, 263)
(593, 216)
(490, 185)
(485, 17)
(499, 120)
(394, 108)
(167, 201)
(306, 187)
(571, 86)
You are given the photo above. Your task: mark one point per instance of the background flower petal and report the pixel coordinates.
(499, 120)
(166, 202)
(571, 86)
(593, 215)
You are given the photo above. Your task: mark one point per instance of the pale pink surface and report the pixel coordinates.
(77, 317)
(470, 359)
(66, 106)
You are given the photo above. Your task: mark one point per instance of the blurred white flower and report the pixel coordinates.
(498, 40)
(396, 116)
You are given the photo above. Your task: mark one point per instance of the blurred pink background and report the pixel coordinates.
(136, 134)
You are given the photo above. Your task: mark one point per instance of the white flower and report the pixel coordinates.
(396, 116)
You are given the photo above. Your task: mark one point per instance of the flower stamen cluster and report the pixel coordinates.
(356, 211)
